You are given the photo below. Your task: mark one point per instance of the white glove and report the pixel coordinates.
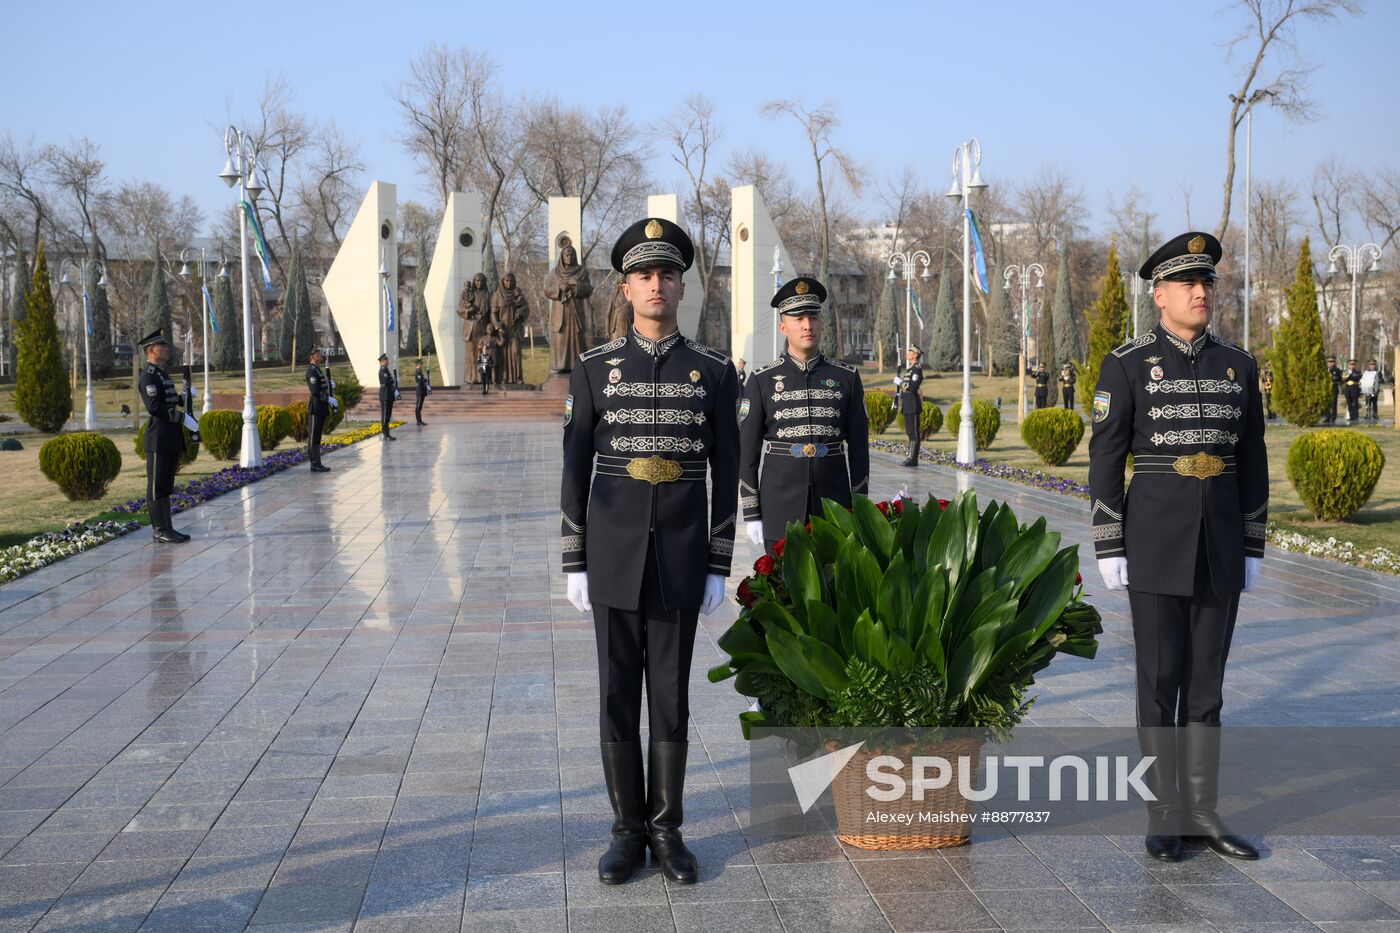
(1114, 571)
(755, 532)
(1252, 566)
(398, 396)
(191, 424)
(578, 591)
(334, 404)
(714, 593)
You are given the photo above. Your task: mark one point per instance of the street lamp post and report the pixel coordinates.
(1022, 273)
(241, 170)
(208, 400)
(1355, 257)
(907, 259)
(967, 178)
(777, 284)
(90, 407)
(1258, 95)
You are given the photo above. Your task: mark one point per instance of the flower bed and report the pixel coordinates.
(45, 549)
(1036, 478)
(1331, 548)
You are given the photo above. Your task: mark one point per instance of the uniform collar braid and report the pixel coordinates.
(656, 347)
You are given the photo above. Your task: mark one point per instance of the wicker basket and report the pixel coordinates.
(852, 805)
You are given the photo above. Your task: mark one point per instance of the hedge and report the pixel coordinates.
(930, 420)
(1335, 471)
(191, 446)
(274, 424)
(1053, 433)
(986, 421)
(83, 464)
(222, 433)
(879, 411)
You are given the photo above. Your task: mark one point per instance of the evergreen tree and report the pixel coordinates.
(1066, 331)
(887, 323)
(1302, 387)
(1146, 311)
(43, 397)
(1108, 329)
(306, 328)
(298, 333)
(287, 331)
(423, 340)
(228, 342)
(100, 342)
(1004, 321)
(157, 313)
(944, 349)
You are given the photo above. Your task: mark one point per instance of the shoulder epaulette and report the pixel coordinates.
(605, 348)
(841, 364)
(767, 366)
(1229, 344)
(707, 351)
(1132, 345)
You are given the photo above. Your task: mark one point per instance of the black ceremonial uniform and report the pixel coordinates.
(422, 388)
(806, 422)
(1335, 372)
(911, 405)
(318, 409)
(1068, 377)
(1351, 388)
(1042, 388)
(387, 387)
(164, 441)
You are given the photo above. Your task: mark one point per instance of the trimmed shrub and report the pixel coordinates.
(274, 423)
(930, 420)
(1335, 471)
(347, 388)
(82, 464)
(297, 412)
(986, 421)
(879, 411)
(191, 445)
(1053, 433)
(222, 432)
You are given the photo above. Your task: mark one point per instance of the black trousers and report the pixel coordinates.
(1067, 396)
(1332, 413)
(653, 645)
(1181, 645)
(1042, 398)
(1353, 406)
(315, 424)
(911, 431)
(1373, 407)
(386, 413)
(160, 474)
(418, 408)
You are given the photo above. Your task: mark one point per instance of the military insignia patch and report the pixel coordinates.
(1197, 245)
(1230, 372)
(653, 230)
(743, 410)
(778, 386)
(1157, 372)
(830, 383)
(695, 375)
(801, 288)
(150, 389)
(568, 410)
(615, 376)
(615, 361)
(1153, 360)
(1101, 403)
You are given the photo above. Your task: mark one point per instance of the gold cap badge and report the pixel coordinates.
(653, 230)
(802, 288)
(695, 375)
(1197, 244)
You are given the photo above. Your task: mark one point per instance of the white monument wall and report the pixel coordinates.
(456, 261)
(753, 236)
(353, 290)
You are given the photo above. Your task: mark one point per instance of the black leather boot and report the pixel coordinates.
(1163, 815)
(665, 788)
(165, 510)
(622, 768)
(1200, 762)
(160, 523)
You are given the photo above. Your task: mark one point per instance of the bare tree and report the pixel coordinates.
(433, 103)
(25, 207)
(1334, 198)
(752, 167)
(328, 189)
(281, 137)
(1380, 205)
(692, 133)
(1052, 207)
(1275, 68)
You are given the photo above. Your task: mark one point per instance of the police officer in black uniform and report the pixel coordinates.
(165, 438)
(388, 391)
(910, 401)
(1068, 377)
(423, 386)
(318, 408)
(1190, 537)
(1335, 372)
(1042, 386)
(803, 416)
(648, 417)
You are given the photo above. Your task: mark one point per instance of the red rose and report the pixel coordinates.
(943, 504)
(745, 594)
(764, 565)
(1078, 578)
(898, 506)
(809, 526)
(778, 548)
(883, 507)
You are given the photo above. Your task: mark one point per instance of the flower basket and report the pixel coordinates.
(852, 805)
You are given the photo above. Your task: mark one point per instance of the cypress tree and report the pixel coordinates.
(1302, 387)
(306, 328)
(43, 397)
(157, 313)
(297, 330)
(1004, 321)
(944, 350)
(1066, 333)
(100, 342)
(228, 342)
(887, 324)
(1108, 326)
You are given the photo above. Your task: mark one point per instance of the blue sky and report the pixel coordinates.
(1117, 93)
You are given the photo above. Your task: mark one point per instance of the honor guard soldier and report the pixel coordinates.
(423, 386)
(1351, 388)
(1334, 371)
(1190, 537)
(648, 418)
(910, 402)
(388, 391)
(1042, 386)
(165, 440)
(803, 416)
(1068, 377)
(318, 408)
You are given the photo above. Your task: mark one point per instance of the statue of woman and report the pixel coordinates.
(619, 314)
(567, 286)
(474, 308)
(510, 310)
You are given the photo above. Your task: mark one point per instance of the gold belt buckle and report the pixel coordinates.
(1200, 465)
(654, 469)
(809, 450)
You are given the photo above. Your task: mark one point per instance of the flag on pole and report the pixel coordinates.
(979, 263)
(389, 297)
(914, 304)
(209, 303)
(259, 243)
(87, 312)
